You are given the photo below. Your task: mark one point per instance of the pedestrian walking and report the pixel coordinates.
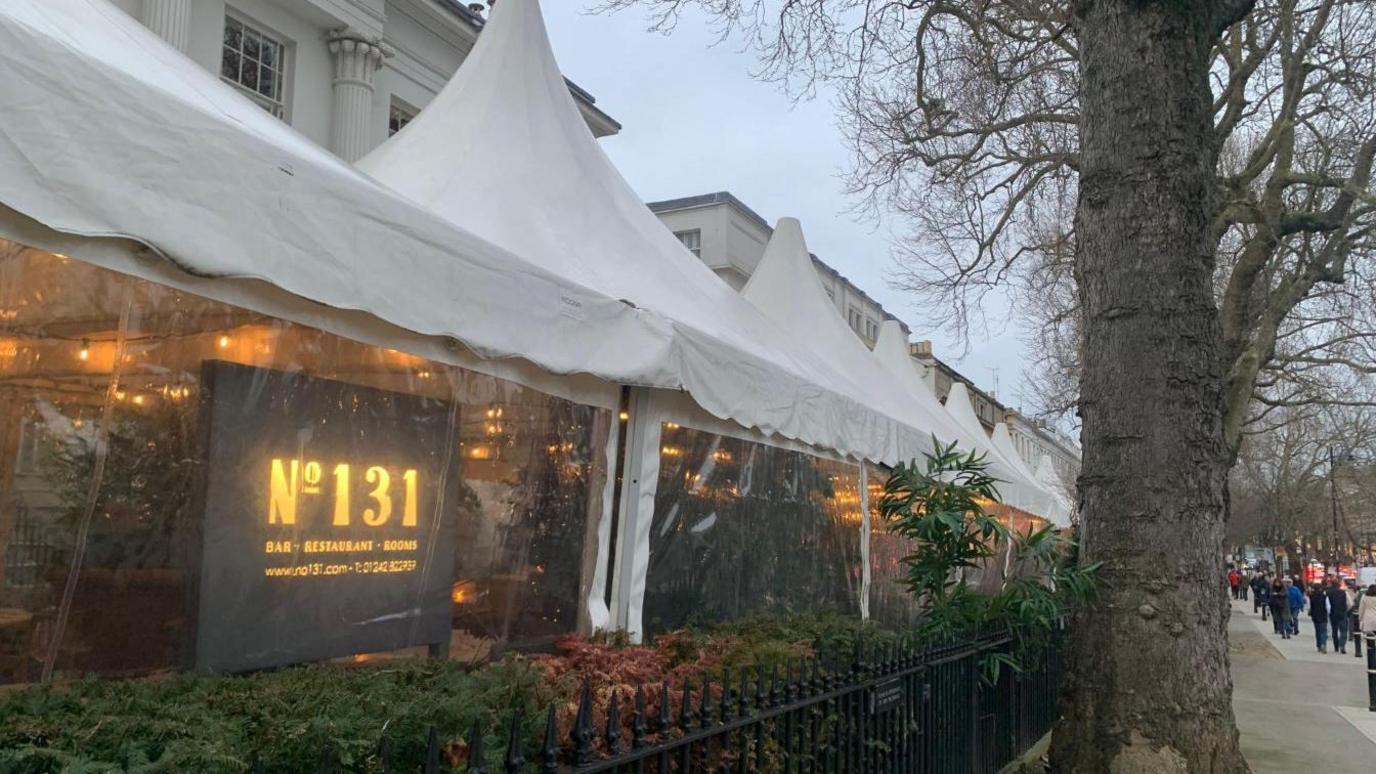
(1366, 611)
(1280, 609)
(1354, 598)
(1297, 600)
(1258, 589)
(1243, 584)
(1234, 580)
(1318, 614)
(1338, 613)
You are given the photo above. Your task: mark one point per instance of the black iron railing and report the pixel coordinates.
(892, 710)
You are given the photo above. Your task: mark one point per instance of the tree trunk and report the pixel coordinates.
(1149, 688)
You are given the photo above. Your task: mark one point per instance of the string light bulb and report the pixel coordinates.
(84, 353)
(223, 342)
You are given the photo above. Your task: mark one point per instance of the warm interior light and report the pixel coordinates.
(480, 453)
(224, 342)
(85, 352)
(463, 593)
(138, 400)
(625, 415)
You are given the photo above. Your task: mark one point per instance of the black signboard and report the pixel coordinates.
(886, 696)
(328, 528)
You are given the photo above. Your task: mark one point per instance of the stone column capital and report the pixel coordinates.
(357, 58)
(353, 49)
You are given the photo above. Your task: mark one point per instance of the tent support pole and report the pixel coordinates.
(639, 473)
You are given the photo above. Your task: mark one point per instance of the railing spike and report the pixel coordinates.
(724, 711)
(582, 727)
(614, 725)
(327, 760)
(774, 686)
(515, 742)
(704, 708)
(477, 756)
(744, 694)
(384, 755)
(666, 717)
(788, 681)
(431, 764)
(685, 710)
(638, 724)
(549, 753)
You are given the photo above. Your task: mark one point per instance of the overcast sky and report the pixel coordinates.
(696, 122)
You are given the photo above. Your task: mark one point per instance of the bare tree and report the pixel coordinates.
(1202, 171)
(1302, 482)
(1294, 216)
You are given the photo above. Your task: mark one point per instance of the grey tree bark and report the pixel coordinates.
(1149, 687)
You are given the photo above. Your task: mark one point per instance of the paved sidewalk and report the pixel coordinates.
(1298, 709)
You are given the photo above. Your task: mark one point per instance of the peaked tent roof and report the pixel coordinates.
(110, 132)
(891, 349)
(786, 288)
(503, 151)
(1045, 503)
(1061, 507)
(1025, 492)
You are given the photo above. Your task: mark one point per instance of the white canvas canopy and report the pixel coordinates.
(568, 270)
(1047, 504)
(1061, 507)
(786, 288)
(504, 152)
(109, 132)
(1016, 487)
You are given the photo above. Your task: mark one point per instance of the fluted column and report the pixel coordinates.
(356, 59)
(170, 19)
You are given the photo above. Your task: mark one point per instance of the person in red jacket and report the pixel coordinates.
(1233, 581)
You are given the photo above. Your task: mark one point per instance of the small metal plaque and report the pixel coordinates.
(886, 696)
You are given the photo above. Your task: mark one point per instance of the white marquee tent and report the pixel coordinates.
(1060, 508)
(503, 151)
(493, 234)
(785, 287)
(1017, 487)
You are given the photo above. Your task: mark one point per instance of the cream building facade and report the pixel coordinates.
(346, 73)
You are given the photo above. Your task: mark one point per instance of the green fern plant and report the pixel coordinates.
(940, 506)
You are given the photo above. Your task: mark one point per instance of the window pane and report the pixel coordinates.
(742, 528)
(267, 83)
(250, 74)
(268, 53)
(250, 44)
(234, 32)
(229, 65)
(890, 602)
